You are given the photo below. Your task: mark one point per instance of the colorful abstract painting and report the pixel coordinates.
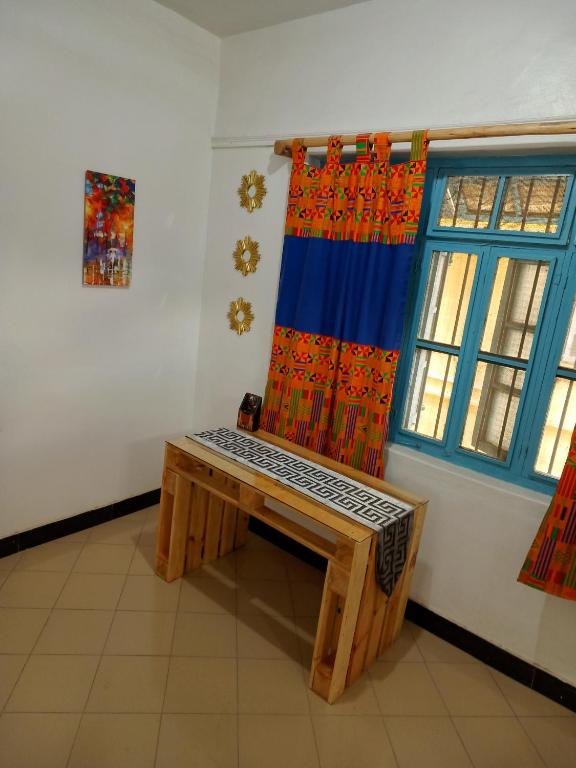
(108, 230)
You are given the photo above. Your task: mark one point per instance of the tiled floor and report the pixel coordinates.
(102, 664)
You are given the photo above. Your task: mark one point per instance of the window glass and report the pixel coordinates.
(492, 409)
(468, 201)
(429, 393)
(568, 358)
(514, 307)
(532, 203)
(560, 420)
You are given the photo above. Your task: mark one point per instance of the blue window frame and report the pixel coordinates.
(487, 373)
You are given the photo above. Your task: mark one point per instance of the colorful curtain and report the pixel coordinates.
(348, 248)
(551, 562)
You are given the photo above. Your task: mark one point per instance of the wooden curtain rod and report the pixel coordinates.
(284, 146)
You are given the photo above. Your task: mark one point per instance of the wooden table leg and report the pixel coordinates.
(341, 600)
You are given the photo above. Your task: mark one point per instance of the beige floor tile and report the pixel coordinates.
(306, 598)
(359, 699)
(404, 648)
(75, 631)
(3, 577)
(405, 689)
(36, 740)
(427, 742)
(53, 684)
(258, 542)
(261, 564)
(434, 649)
(281, 741)
(144, 561)
(20, 628)
(204, 593)
(9, 562)
(497, 742)
(29, 589)
(148, 534)
(149, 593)
(306, 627)
(53, 556)
(79, 536)
(554, 738)
(10, 668)
(115, 741)
(129, 684)
(224, 567)
(94, 591)
(198, 741)
(264, 597)
(201, 685)
(469, 690)
(361, 742)
(123, 530)
(104, 558)
(267, 637)
(271, 686)
(298, 570)
(147, 633)
(205, 634)
(526, 702)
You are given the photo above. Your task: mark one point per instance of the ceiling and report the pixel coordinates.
(230, 17)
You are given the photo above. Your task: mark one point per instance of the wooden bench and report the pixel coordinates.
(206, 502)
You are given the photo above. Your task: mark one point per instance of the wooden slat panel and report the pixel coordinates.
(349, 619)
(197, 528)
(365, 617)
(228, 527)
(213, 528)
(179, 529)
(241, 529)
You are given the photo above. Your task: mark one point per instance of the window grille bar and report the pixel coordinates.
(527, 205)
(442, 395)
(457, 203)
(506, 412)
(529, 308)
(560, 427)
(479, 209)
(461, 298)
(553, 204)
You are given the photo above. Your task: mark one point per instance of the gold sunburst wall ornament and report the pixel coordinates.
(246, 255)
(252, 190)
(240, 316)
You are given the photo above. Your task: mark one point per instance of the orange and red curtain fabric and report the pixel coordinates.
(347, 256)
(551, 562)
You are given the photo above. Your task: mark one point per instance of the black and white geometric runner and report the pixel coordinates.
(390, 517)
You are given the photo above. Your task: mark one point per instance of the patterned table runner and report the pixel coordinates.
(390, 517)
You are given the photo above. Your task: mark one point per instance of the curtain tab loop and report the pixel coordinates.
(334, 152)
(419, 146)
(382, 146)
(298, 153)
(363, 148)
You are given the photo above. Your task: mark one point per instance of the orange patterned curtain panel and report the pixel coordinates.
(551, 562)
(348, 248)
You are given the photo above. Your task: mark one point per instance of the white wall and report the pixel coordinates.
(92, 380)
(378, 66)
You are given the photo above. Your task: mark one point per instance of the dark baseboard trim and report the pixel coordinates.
(504, 661)
(20, 541)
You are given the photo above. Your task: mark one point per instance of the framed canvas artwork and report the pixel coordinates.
(108, 230)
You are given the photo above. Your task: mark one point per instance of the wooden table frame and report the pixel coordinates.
(206, 502)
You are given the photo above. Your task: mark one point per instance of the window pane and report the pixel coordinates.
(447, 297)
(532, 203)
(429, 393)
(492, 410)
(568, 359)
(468, 201)
(560, 421)
(514, 307)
